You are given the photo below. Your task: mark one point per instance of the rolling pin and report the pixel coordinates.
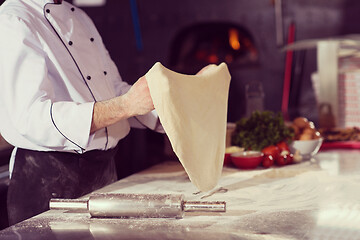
(121, 205)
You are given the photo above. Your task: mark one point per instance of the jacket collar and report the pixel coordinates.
(44, 2)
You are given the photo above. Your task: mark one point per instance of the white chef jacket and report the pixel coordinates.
(53, 67)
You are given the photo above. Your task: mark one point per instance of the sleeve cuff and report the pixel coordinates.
(150, 120)
(73, 121)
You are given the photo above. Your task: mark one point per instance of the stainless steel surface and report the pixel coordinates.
(317, 199)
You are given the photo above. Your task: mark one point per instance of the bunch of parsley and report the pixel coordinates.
(260, 130)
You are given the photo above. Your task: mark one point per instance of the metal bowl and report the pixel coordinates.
(306, 148)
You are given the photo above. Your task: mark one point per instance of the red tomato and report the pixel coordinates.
(290, 158)
(283, 146)
(284, 159)
(272, 150)
(267, 161)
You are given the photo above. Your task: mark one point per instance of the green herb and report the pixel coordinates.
(260, 130)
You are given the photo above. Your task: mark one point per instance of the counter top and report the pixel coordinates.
(316, 199)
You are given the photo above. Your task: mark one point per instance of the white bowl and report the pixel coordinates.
(306, 148)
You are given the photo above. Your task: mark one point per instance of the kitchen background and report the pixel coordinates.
(187, 35)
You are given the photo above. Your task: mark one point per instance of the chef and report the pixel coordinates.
(63, 104)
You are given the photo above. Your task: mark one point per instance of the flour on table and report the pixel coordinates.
(193, 112)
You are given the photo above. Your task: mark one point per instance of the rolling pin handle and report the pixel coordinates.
(202, 206)
(68, 204)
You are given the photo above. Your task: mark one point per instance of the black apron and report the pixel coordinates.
(38, 176)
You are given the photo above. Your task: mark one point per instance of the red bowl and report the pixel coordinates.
(247, 159)
(227, 159)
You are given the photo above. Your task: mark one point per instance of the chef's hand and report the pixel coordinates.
(138, 99)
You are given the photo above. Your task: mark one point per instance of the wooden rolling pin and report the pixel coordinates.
(123, 205)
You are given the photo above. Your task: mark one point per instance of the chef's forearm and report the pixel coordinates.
(108, 112)
(137, 101)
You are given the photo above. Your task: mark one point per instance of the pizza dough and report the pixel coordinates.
(193, 113)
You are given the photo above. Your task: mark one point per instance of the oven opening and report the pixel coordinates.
(212, 43)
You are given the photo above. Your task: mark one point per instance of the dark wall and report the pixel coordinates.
(161, 20)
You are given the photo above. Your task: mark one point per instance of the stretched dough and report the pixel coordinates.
(193, 113)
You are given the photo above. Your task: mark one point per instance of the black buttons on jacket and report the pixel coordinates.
(105, 72)
(70, 43)
(72, 9)
(48, 10)
(88, 78)
(92, 39)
